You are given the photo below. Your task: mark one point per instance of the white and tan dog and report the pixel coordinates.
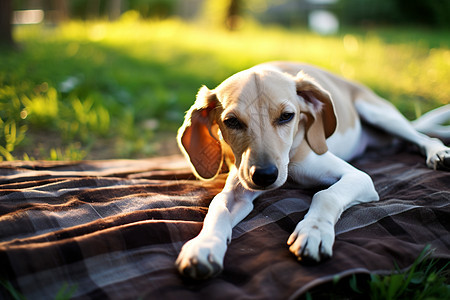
(283, 119)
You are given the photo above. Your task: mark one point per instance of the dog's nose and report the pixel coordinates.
(264, 176)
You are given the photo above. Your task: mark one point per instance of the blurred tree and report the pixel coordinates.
(221, 13)
(59, 9)
(153, 8)
(115, 9)
(233, 15)
(94, 9)
(434, 13)
(5, 23)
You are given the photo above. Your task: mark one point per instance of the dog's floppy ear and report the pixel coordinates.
(198, 136)
(322, 120)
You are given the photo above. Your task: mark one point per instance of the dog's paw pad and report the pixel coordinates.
(306, 258)
(199, 271)
(444, 161)
(201, 259)
(440, 161)
(312, 241)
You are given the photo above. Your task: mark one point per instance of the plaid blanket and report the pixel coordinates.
(113, 229)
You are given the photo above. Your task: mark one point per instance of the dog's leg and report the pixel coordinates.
(313, 238)
(202, 257)
(382, 114)
(432, 123)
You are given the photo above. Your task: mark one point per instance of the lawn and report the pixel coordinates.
(89, 90)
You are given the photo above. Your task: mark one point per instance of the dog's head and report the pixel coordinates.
(262, 115)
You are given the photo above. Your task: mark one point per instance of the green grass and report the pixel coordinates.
(108, 90)
(427, 278)
(64, 293)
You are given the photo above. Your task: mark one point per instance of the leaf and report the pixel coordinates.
(354, 284)
(66, 292)
(395, 284)
(6, 154)
(418, 277)
(12, 291)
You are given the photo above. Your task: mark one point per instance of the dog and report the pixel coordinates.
(281, 119)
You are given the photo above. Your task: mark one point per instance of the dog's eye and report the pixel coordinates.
(233, 123)
(285, 118)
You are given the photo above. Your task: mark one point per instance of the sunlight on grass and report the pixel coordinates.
(42, 106)
(100, 82)
(414, 68)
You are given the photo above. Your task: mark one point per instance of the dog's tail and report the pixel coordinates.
(435, 123)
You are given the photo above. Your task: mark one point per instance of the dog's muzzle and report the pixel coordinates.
(264, 176)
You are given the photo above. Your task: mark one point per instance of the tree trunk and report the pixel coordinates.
(61, 11)
(115, 9)
(233, 14)
(5, 23)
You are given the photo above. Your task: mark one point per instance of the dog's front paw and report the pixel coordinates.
(201, 258)
(312, 240)
(439, 160)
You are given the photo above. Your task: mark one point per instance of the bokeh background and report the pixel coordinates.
(98, 79)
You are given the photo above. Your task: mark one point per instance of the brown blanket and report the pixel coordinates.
(113, 229)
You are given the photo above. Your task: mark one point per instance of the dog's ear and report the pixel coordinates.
(198, 136)
(322, 120)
